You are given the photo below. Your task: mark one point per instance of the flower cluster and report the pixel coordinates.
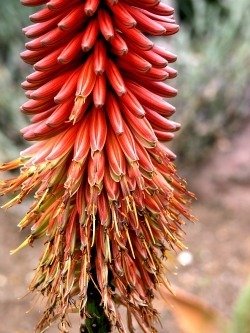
(107, 200)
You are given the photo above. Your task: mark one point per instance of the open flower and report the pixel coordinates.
(107, 199)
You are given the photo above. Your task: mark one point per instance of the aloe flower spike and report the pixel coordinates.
(108, 202)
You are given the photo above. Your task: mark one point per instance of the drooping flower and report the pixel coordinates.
(107, 199)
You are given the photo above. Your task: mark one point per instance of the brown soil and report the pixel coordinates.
(219, 243)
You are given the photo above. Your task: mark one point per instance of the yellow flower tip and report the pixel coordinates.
(28, 241)
(11, 165)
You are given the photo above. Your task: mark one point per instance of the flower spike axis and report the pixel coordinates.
(108, 201)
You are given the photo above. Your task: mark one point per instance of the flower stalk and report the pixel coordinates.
(96, 319)
(108, 201)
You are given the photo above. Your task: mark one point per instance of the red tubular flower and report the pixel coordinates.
(107, 197)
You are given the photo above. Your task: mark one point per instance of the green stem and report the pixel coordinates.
(96, 321)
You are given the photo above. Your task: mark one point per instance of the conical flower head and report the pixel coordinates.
(108, 201)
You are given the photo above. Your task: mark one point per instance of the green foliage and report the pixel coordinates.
(12, 18)
(241, 318)
(10, 118)
(215, 68)
(187, 11)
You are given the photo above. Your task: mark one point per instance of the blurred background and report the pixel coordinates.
(213, 154)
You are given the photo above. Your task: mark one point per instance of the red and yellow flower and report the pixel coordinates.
(107, 199)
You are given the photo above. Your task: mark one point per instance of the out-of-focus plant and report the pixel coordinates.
(241, 317)
(187, 11)
(12, 19)
(193, 315)
(10, 119)
(215, 69)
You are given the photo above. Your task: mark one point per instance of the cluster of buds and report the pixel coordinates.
(107, 199)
